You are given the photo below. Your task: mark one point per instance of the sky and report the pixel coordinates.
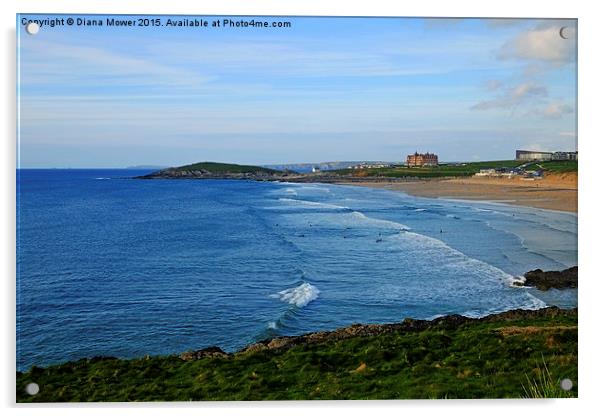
(324, 89)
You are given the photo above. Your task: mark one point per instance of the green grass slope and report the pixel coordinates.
(215, 167)
(522, 357)
(445, 170)
(556, 166)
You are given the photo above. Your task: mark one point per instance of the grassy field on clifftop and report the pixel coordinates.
(492, 358)
(443, 170)
(459, 170)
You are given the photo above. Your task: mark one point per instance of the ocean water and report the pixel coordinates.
(112, 266)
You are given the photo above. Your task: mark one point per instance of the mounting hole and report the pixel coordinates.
(32, 28)
(566, 384)
(32, 389)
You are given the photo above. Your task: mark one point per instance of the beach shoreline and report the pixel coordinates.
(555, 192)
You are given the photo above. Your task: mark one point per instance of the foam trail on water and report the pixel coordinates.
(290, 191)
(536, 303)
(299, 296)
(460, 259)
(316, 188)
(379, 222)
(311, 203)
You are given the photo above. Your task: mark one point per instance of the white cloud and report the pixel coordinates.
(514, 96)
(543, 43)
(58, 63)
(555, 110)
(524, 90)
(313, 57)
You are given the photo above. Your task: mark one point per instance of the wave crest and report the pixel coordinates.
(312, 204)
(299, 296)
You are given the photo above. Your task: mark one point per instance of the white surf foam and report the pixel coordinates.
(102, 179)
(536, 303)
(532, 303)
(299, 296)
(379, 222)
(315, 188)
(311, 204)
(517, 280)
(290, 191)
(459, 260)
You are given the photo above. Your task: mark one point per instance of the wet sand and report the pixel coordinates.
(557, 192)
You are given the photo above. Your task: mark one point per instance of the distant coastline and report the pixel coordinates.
(557, 190)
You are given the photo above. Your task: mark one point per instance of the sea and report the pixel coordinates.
(113, 266)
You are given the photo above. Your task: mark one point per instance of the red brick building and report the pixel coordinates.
(422, 159)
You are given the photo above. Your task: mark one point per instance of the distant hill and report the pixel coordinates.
(215, 167)
(214, 170)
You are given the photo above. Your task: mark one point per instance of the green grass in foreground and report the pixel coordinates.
(516, 358)
(445, 170)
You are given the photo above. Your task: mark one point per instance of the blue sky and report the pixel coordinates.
(325, 89)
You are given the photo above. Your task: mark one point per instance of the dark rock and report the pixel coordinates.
(98, 358)
(211, 352)
(449, 322)
(553, 279)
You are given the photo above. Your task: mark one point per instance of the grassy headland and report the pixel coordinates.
(215, 167)
(513, 354)
(214, 170)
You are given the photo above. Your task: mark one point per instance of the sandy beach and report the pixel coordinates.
(555, 191)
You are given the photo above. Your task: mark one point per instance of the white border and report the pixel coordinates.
(589, 230)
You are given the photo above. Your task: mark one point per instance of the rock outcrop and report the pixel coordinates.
(552, 279)
(284, 343)
(211, 352)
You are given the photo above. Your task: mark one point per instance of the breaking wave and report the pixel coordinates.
(378, 222)
(312, 204)
(299, 296)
